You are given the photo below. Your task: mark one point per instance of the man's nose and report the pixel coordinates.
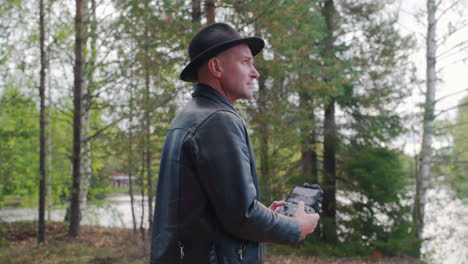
(254, 73)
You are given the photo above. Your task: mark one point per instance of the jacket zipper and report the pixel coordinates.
(181, 250)
(240, 252)
(179, 194)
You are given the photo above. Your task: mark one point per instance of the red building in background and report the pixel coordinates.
(121, 180)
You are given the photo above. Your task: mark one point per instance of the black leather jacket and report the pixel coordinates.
(207, 201)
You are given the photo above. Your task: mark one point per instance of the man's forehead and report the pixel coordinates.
(241, 50)
(244, 49)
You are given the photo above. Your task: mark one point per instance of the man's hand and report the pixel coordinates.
(308, 222)
(276, 206)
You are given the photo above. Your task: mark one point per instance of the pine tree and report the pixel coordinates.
(75, 211)
(42, 140)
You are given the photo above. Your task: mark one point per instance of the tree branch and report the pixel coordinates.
(462, 44)
(442, 68)
(448, 34)
(452, 94)
(97, 133)
(450, 126)
(446, 10)
(448, 109)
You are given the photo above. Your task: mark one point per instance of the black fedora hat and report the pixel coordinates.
(210, 41)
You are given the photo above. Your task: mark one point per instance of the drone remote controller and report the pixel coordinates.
(310, 194)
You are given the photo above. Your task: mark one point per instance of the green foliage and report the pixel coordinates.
(99, 187)
(458, 166)
(19, 151)
(18, 147)
(375, 172)
(376, 212)
(401, 240)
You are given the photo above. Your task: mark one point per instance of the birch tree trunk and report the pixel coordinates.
(424, 171)
(86, 148)
(88, 88)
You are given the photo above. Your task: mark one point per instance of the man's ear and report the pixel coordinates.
(215, 67)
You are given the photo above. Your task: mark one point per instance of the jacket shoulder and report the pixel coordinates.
(198, 111)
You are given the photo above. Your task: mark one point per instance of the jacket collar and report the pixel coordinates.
(207, 91)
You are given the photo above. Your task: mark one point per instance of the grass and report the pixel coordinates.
(99, 245)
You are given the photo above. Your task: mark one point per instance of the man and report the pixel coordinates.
(207, 201)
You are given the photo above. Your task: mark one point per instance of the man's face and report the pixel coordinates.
(239, 73)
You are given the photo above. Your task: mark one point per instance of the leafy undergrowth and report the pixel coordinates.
(98, 245)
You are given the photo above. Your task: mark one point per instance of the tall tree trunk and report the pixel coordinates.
(330, 138)
(75, 212)
(86, 169)
(210, 11)
(85, 115)
(308, 152)
(49, 141)
(416, 209)
(265, 176)
(329, 180)
(424, 171)
(149, 174)
(142, 220)
(49, 164)
(130, 154)
(88, 87)
(147, 121)
(196, 12)
(262, 121)
(49, 152)
(42, 137)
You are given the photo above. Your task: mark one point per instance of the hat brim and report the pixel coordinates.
(189, 73)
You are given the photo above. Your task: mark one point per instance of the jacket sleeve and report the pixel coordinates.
(223, 166)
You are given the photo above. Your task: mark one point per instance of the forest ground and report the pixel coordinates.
(101, 245)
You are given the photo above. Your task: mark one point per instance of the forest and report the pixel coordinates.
(351, 96)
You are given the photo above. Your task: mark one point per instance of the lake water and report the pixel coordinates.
(446, 222)
(113, 212)
(446, 228)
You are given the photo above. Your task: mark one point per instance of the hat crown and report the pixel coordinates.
(212, 40)
(211, 36)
